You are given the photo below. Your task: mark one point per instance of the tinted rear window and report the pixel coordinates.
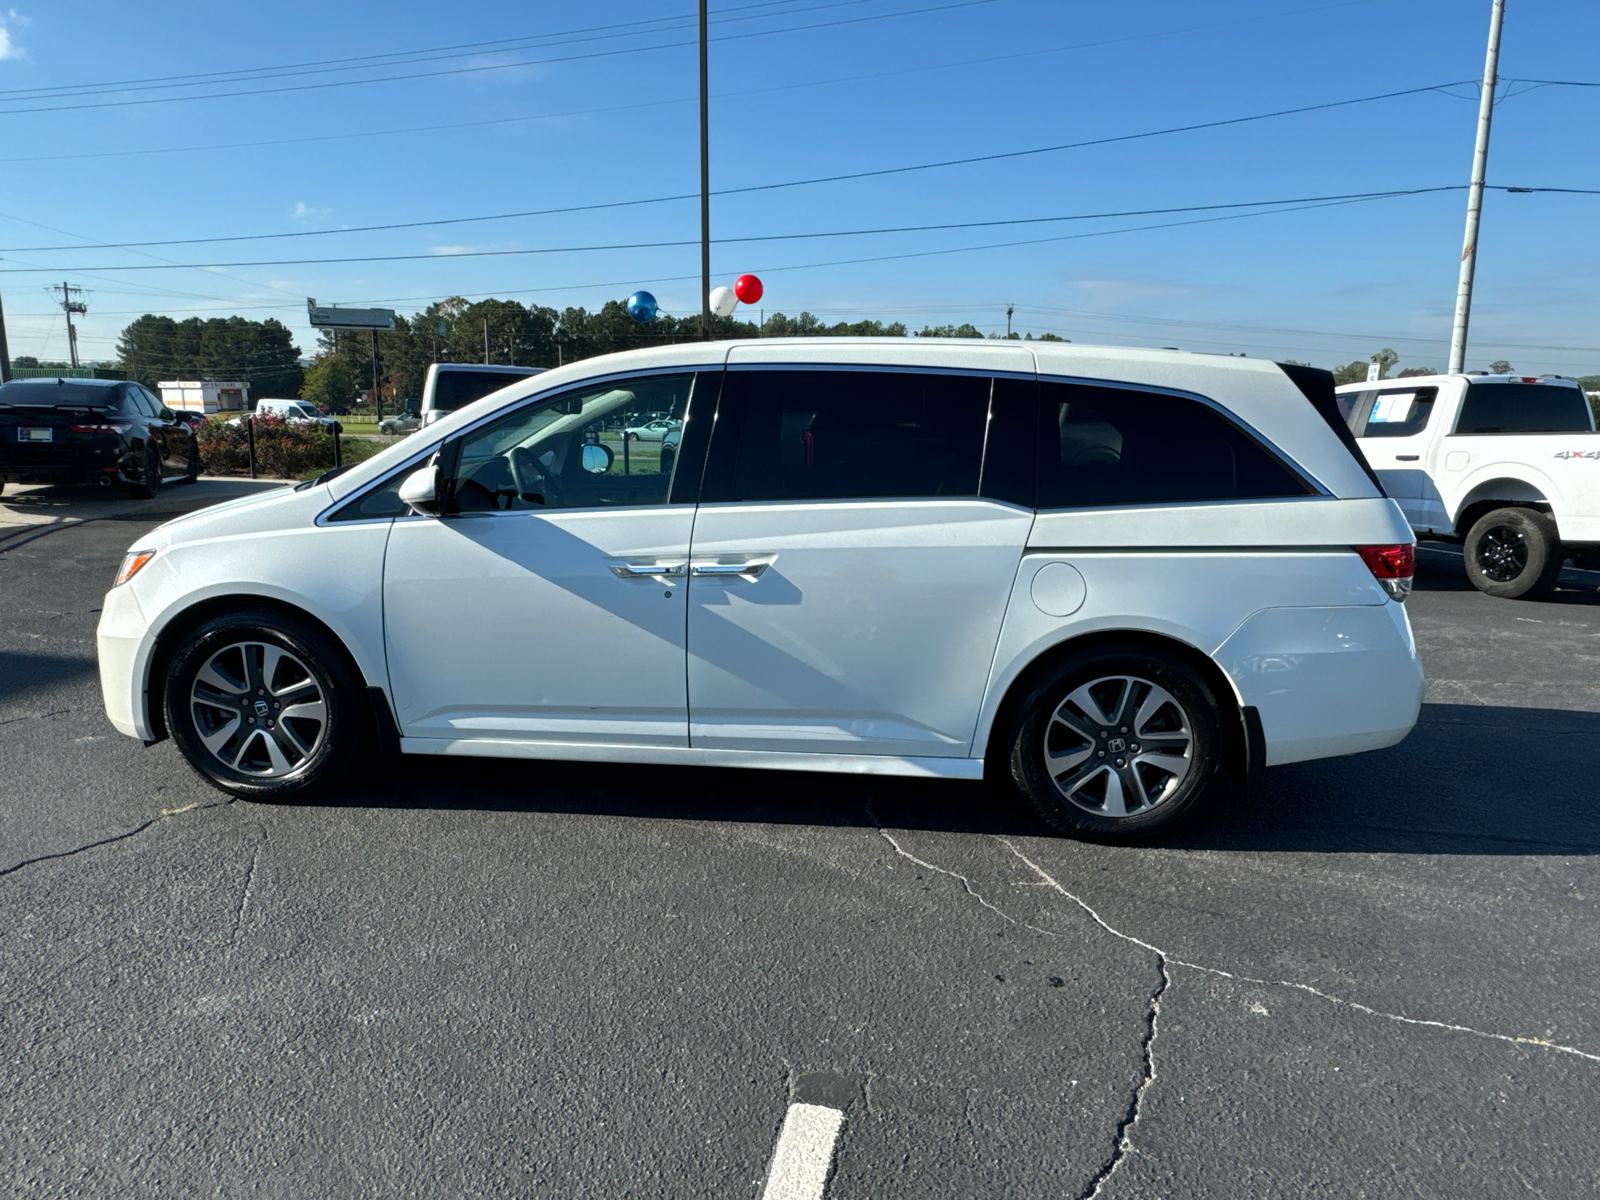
(58, 395)
(1109, 447)
(456, 389)
(1524, 408)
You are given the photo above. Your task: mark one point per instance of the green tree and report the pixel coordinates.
(1499, 367)
(1413, 372)
(950, 331)
(328, 383)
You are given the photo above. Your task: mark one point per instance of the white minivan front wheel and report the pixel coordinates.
(265, 706)
(1116, 744)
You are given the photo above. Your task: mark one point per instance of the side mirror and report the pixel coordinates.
(596, 459)
(413, 406)
(420, 491)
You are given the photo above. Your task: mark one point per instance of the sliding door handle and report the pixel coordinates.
(647, 570)
(748, 569)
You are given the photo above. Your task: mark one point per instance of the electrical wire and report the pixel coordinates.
(810, 83)
(506, 66)
(765, 187)
(353, 62)
(1353, 197)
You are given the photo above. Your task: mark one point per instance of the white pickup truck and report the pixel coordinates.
(1509, 465)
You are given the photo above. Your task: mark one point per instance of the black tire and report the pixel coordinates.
(191, 473)
(1122, 758)
(150, 476)
(1513, 552)
(299, 754)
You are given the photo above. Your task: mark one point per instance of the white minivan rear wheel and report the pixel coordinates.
(1116, 744)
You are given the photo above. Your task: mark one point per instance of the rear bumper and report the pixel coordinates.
(1327, 681)
(92, 467)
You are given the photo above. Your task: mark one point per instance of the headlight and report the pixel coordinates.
(132, 563)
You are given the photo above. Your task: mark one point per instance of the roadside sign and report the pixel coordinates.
(331, 316)
(1374, 371)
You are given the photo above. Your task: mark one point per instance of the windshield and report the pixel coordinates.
(456, 389)
(57, 395)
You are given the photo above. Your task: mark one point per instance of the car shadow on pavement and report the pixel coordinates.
(1471, 779)
(691, 794)
(21, 674)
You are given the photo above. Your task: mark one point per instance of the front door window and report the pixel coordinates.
(583, 449)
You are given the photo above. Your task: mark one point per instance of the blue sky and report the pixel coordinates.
(861, 90)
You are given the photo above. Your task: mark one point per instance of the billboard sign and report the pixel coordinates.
(331, 316)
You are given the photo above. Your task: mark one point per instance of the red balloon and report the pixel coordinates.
(748, 288)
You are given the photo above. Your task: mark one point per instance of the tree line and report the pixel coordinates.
(263, 353)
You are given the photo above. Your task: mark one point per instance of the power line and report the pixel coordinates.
(772, 237)
(810, 83)
(766, 187)
(308, 87)
(350, 63)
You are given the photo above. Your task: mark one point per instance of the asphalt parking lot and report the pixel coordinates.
(1368, 977)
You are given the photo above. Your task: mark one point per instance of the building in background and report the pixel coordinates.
(205, 396)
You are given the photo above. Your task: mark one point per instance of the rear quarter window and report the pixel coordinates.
(1524, 408)
(1102, 447)
(1392, 412)
(457, 389)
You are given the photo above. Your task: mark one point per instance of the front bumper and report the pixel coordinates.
(119, 640)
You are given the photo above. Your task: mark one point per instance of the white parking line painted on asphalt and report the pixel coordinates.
(805, 1152)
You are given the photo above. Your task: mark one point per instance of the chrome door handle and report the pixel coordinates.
(750, 569)
(647, 570)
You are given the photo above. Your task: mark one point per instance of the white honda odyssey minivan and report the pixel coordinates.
(1105, 576)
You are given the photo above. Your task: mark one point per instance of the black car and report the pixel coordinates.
(101, 431)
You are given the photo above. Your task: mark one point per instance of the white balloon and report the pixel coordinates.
(723, 301)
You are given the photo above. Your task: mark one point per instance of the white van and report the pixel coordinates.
(296, 412)
(1101, 576)
(451, 386)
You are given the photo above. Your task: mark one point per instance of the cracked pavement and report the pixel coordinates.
(1369, 977)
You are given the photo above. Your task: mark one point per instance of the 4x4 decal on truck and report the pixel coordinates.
(1595, 454)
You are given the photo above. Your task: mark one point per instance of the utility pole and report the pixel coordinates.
(705, 185)
(486, 341)
(377, 386)
(5, 350)
(1480, 162)
(70, 306)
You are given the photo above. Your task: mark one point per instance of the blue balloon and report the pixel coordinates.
(642, 307)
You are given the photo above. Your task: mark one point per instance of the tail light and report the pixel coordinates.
(104, 427)
(1392, 566)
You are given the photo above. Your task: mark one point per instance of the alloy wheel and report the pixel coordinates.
(258, 709)
(1502, 553)
(1119, 746)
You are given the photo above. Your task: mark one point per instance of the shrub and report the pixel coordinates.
(283, 451)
